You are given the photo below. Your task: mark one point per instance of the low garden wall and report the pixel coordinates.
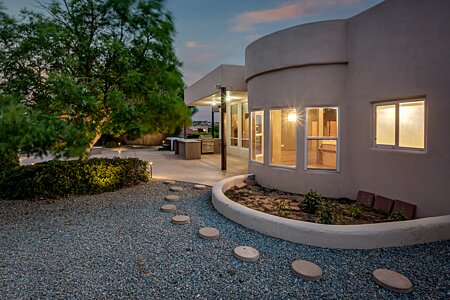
(367, 236)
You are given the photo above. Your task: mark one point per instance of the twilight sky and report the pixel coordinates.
(214, 32)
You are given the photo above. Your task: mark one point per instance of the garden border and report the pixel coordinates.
(366, 236)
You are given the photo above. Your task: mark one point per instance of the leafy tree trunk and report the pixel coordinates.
(98, 134)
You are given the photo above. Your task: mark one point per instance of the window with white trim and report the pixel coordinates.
(257, 136)
(322, 138)
(400, 124)
(234, 125)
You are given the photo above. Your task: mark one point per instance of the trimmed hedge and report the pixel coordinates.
(56, 178)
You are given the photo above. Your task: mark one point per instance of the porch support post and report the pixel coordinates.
(223, 143)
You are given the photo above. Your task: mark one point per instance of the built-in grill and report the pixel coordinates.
(207, 144)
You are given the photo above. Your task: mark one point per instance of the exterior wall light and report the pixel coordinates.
(228, 98)
(292, 117)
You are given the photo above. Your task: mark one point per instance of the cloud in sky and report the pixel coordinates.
(197, 45)
(247, 21)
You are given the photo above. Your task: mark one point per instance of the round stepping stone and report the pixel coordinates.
(168, 208)
(176, 188)
(172, 198)
(209, 233)
(169, 182)
(181, 219)
(306, 270)
(393, 281)
(199, 187)
(246, 253)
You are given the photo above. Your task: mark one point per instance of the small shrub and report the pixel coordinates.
(282, 207)
(311, 202)
(326, 213)
(355, 211)
(398, 216)
(75, 177)
(111, 144)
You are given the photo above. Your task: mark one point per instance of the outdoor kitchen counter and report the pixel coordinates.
(188, 149)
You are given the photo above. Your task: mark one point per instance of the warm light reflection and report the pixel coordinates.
(292, 117)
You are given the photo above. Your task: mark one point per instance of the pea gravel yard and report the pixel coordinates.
(121, 246)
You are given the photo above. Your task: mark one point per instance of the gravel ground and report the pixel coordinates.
(120, 246)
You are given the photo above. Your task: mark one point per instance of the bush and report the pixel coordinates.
(311, 202)
(75, 177)
(398, 216)
(355, 211)
(111, 144)
(326, 213)
(282, 207)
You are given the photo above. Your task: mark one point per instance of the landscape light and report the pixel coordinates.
(151, 169)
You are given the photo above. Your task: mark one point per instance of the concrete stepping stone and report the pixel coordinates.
(246, 253)
(306, 270)
(172, 197)
(209, 233)
(176, 188)
(392, 281)
(170, 182)
(181, 219)
(199, 187)
(168, 208)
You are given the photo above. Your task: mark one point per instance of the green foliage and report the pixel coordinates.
(74, 177)
(326, 213)
(355, 211)
(311, 202)
(111, 144)
(282, 207)
(398, 216)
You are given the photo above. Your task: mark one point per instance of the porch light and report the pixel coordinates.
(292, 116)
(214, 102)
(228, 98)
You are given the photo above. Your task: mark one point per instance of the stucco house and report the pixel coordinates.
(346, 105)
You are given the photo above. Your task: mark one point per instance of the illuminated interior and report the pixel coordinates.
(245, 124)
(257, 139)
(322, 137)
(234, 125)
(283, 124)
(385, 125)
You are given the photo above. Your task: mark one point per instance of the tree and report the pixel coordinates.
(94, 66)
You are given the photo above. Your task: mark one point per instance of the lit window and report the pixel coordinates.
(283, 125)
(257, 138)
(234, 125)
(245, 123)
(322, 138)
(400, 124)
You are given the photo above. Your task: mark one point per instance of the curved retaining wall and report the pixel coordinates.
(368, 236)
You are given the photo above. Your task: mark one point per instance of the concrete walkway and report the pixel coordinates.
(167, 165)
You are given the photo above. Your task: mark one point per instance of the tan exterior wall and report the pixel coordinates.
(397, 49)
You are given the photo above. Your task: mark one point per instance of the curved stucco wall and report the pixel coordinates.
(367, 236)
(398, 49)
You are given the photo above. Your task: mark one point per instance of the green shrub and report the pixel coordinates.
(282, 207)
(111, 144)
(75, 177)
(326, 213)
(311, 202)
(355, 211)
(398, 216)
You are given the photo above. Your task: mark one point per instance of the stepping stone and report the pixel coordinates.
(240, 185)
(176, 188)
(246, 253)
(172, 198)
(393, 281)
(181, 219)
(169, 182)
(168, 208)
(306, 270)
(209, 233)
(199, 187)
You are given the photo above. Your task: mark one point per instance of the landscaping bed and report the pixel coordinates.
(316, 209)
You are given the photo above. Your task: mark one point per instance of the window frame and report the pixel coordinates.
(337, 139)
(269, 151)
(242, 126)
(230, 127)
(397, 103)
(250, 135)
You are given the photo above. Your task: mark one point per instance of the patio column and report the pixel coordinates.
(223, 147)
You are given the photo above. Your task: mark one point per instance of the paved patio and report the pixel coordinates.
(167, 165)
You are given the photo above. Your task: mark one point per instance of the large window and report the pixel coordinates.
(322, 138)
(234, 125)
(400, 124)
(257, 137)
(245, 123)
(283, 126)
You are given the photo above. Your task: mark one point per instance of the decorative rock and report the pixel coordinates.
(168, 208)
(169, 182)
(199, 187)
(172, 198)
(306, 270)
(181, 219)
(240, 185)
(365, 198)
(176, 188)
(383, 204)
(392, 281)
(209, 233)
(408, 209)
(245, 253)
